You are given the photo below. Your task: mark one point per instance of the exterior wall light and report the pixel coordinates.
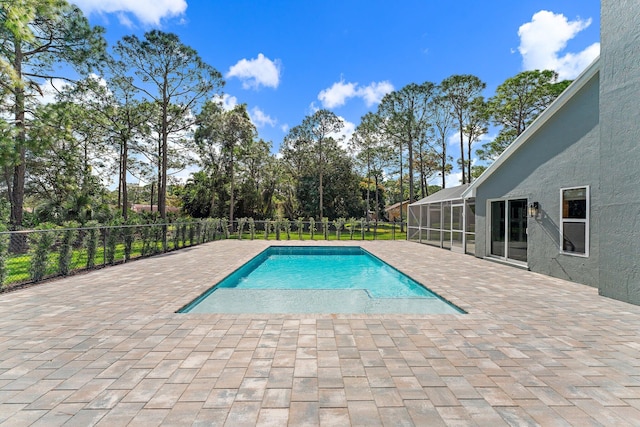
(534, 209)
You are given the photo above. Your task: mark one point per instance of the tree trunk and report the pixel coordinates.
(462, 163)
(17, 190)
(401, 189)
(19, 244)
(120, 179)
(123, 177)
(158, 181)
(366, 214)
(469, 159)
(444, 160)
(231, 181)
(423, 175)
(321, 173)
(211, 182)
(410, 147)
(212, 206)
(377, 210)
(162, 185)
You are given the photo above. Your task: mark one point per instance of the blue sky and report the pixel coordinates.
(286, 58)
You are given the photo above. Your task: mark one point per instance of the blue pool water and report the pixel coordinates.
(286, 279)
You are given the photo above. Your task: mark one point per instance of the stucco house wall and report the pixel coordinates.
(619, 206)
(563, 152)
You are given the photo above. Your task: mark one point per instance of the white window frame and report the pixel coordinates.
(585, 221)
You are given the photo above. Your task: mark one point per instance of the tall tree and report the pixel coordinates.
(272, 197)
(381, 159)
(341, 186)
(197, 194)
(225, 140)
(127, 118)
(461, 90)
(207, 144)
(64, 174)
(374, 153)
(237, 134)
(366, 141)
(256, 181)
(441, 125)
(517, 103)
(124, 119)
(427, 162)
(35, 37)
(405, 118)
(173, 76)
(477, 125)
(314, 133)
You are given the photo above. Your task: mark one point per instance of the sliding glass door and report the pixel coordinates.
(509, 229)
(517, 243)
(498, 216)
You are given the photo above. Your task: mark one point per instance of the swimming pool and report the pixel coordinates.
(318, 279)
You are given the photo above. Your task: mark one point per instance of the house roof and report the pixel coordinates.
(395, 205)
(589, 73)
(444, 195)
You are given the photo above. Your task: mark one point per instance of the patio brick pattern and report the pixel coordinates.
(107, 348)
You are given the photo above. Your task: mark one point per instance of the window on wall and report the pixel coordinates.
(574, 230)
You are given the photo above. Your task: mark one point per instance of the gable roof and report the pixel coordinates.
(589, 73)
(446, 194)
(396, 205)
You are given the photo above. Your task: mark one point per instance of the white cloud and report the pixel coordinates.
(313, 107)
(184, 174)
(50, 90)
(374, 93)
(227, 101)
(454, 140)
(347, 130)
(452, 180)
(544, 38)
(257, 72)
(284, 128)
(149, 12)
(124, 20)
(340, 92)
(344, 135)
(260, 119)
(337, 94)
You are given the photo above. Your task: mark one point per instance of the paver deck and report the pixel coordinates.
(107, 348)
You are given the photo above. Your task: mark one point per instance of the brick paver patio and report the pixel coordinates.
(107, 348)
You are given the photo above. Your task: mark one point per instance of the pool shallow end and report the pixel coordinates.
(321, 301)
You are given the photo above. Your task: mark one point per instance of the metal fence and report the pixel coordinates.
(33, 255)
